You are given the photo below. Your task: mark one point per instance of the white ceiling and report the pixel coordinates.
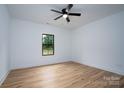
(41, 13)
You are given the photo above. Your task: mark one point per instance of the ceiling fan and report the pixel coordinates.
(65, 13)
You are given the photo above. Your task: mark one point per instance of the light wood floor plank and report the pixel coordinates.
(62, 75)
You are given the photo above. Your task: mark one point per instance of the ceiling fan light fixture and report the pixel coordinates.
(65, 16)
(65, 13)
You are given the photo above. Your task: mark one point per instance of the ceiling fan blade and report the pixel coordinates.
(67, 19)
(69, 6)
(74, 14)
(56, 11)
(58, 17)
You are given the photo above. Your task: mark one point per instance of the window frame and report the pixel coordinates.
(53, 45)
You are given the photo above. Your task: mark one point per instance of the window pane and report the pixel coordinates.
(47, 44)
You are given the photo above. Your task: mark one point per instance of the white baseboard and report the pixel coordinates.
(102, 68)
(4, 77)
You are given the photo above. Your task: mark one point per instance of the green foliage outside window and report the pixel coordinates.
(47, 44)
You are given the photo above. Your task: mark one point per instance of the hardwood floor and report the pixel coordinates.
(62, 75)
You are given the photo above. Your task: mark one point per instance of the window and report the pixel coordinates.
(47, 44)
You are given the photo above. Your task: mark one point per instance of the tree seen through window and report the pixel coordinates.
(47, 44)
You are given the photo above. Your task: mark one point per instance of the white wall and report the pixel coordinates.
(26, 44)
(4, 21)
(101, 44)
